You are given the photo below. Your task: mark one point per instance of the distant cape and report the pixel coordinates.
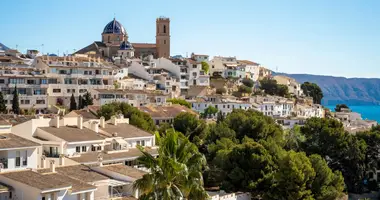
(3, 47)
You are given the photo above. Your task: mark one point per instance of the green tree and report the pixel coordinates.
(80, 102)
(87, 99)
(220, 117)
(248, 82)
(182, 102)
(164, 127)
(209, 112)
(176, 173)
(205, 67)
(186, 123)
(282, 90)
(327, 185)
(136, 117)
(269, 86)
(293, 178)
(294, 138)
(3, 107)
(338, 107)
(312, 90)
(15, 102)
(245, 89)
(73, 103)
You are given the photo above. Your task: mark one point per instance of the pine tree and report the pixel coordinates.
(87, 99)
(73, 104)
(80, 102)
(15, 102)
(3, 107)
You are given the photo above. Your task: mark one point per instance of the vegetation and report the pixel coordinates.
(87, 100)
(338, 107)
(205, 67)
(15, 102)
(73, 104)
(3, 107)
(248, 82)
(209, 112)
(245, 89)
(136, 117)
(312, 90)
(182, 102)
(176, 173)
(271, 87)
(80, 102)
(221, 90)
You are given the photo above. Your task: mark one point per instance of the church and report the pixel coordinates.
(115, 42)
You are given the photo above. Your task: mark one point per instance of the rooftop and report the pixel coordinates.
(78, 172)
(92, 157)
(37, 180)
(9, 140)
(165, 111)
(143, 45)
(72, 134)
(125, 170)
(125, 130)
(16, 119)
(87, 115)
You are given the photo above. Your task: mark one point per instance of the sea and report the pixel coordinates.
(367, 112)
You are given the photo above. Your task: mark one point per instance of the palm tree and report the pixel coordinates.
(177, 171)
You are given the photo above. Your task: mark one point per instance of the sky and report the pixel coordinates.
(340, 38)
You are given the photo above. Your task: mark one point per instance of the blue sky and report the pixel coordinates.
(340, 38)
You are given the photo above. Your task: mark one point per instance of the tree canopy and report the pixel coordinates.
(73, 103)
(205, 66)
(271, 87)
(15, 102)
(87, 100)
(248, 82)
(209, 112)
(312, 90)
(338, 107)
(182, 102)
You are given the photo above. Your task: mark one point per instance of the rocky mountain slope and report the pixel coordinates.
(351, 91)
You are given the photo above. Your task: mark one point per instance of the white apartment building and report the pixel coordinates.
(273, 106)
(307, 111)
(74, 75)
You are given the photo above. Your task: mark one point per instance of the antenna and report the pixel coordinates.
(16, 46)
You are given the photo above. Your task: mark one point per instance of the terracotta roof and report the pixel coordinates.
(81, 172)
(92, 157)
(125, 130)
(144, 45)
(37, 180)
(165, 111)
(93, 109)
(125, 170)
(72, 134)
(9, 140)
(4, 122)
(191, 61)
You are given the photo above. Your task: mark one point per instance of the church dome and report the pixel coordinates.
(126, 46)
(114, 27)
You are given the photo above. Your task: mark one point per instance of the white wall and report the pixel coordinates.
(132, 142)
(31, 159)
(22, 191)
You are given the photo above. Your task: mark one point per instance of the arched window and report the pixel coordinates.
(164, 28)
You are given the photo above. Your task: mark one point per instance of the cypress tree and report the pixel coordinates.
(87, 99)
(80, 102)
(3, 107)
(73, 104)
(15, 103)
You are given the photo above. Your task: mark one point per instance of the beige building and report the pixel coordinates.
(293, 86)
(114, 42)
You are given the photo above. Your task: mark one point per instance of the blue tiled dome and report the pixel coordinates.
(114, 27)
(126, 46)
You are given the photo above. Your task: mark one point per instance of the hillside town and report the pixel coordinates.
(59, 141)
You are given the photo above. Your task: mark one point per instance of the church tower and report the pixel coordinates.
(163, 37)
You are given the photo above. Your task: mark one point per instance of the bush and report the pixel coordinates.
(248, 82)
(182, 102)
(221, 90)
(245, 89)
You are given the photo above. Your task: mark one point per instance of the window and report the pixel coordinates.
(99, 148)
(137, 142)
(77, 149)
(93, 148)
(164, 28)
(40, 101)
(18, 159)
(25, 101)
(2, 81)
(25, 159)
(213, 66)
(82, 90)
(194, 66)
(142, 142)
(32, 82)
(164, 41)
(56, 90)
(84, 149)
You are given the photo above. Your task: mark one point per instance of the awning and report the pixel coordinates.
(96, 145)
(121, 142)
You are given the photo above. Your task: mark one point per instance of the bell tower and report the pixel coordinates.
(163, 37)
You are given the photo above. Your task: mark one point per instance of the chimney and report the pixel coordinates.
(95, 126)
(52, 166)
(80, 122)
(62, 160)
(102, 122)
(114, 120)
(56, 121)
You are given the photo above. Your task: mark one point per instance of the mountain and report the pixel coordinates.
(3, 47)
(350, 91)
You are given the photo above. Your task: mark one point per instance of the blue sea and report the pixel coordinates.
(367, 112)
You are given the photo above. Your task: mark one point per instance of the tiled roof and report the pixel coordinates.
(81, 172)
(125, 130)
(16, 119)
(144, 45)
(72, 134)
(37, 180)
(87, 115)
(125, 170)
(77, 185)
(165, 111)
(92, 157)
(9, 140)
